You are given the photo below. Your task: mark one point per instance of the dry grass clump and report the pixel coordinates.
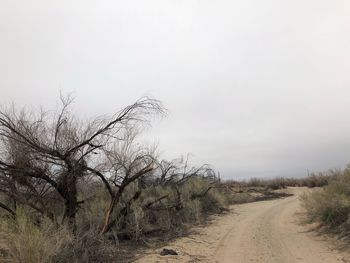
(26, 241)
(241, 198)
(331, 205)
(87, 247)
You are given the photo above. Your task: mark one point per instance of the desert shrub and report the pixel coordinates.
(214, 201)
(24, 241)
(27, 240)
(87, 247)
(90, 214)
(157, 214)
(255, 182)
(274, 184)
(313, 180)
(192, 211)
(241, 198)
(331, 204)
(158, 209)
(277, 183)
(210, 197)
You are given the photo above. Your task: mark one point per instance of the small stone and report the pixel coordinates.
(166, 252)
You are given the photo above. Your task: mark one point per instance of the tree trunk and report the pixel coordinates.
(68, 190)
(106, 225)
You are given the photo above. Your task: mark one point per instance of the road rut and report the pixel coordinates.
(266, 232)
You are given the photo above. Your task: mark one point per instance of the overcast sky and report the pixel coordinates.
(255, 88)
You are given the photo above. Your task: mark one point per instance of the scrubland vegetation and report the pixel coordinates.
(73, 190)
(312, 180)
(331, 205)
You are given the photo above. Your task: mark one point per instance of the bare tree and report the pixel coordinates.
(126, 161)
(44, 153)
(176, 173)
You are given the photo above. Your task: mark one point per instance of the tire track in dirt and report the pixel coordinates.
(265, 232)
(271, 232)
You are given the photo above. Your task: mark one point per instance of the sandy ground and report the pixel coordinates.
(267, 232)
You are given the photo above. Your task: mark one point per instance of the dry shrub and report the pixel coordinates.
(168, 216)
(277, 183)
(87, 247)
(214, 201)
(90, 214)
(23, 241)
(256, 182)
(157, 215)
(241, 198)
(211, 202)
(331, 205)
(320, 179)
(313, 180)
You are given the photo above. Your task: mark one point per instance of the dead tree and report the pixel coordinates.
(61, 151)
(125, 163)
(175, 174)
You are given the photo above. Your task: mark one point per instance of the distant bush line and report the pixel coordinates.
(312, 180)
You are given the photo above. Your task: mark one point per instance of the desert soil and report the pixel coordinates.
(267, 232)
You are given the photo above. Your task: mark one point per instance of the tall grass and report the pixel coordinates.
(25, 241)
(31, 239)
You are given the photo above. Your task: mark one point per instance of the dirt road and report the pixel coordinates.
(266, 232)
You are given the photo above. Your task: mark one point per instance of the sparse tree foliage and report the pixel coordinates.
(93, 180)
(45, 155)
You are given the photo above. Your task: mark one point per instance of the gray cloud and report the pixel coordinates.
(256, 88)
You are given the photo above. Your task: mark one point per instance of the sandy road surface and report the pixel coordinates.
(266, 232)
